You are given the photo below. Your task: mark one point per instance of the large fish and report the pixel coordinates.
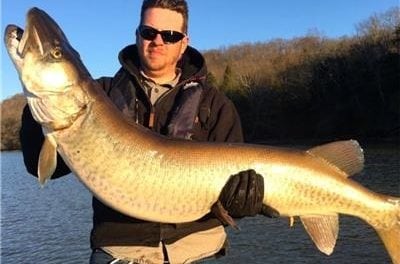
(148, 176)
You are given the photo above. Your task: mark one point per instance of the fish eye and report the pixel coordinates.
(56, 53)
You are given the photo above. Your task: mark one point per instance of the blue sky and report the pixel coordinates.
(98, 29)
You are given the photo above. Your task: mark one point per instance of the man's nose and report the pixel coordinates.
(158, 40)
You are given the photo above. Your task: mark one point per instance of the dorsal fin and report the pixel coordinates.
(346, 155)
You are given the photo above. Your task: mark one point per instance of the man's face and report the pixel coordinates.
(159, 59)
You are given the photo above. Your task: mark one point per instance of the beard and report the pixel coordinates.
(158, 63)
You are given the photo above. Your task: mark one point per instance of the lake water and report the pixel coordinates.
(52, 224)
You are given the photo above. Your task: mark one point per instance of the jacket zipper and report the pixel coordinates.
(152, 116)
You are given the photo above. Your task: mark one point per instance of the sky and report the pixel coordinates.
(99, 29)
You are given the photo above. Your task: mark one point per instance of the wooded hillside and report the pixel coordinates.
(316, 87)
(310, 87)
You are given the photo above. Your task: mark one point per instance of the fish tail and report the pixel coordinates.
(391, 236)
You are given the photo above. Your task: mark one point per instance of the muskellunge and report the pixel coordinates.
(148, 176)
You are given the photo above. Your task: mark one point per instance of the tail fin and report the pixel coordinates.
(391, 237)
(391, 240)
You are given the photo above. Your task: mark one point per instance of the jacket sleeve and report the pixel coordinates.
(224, 121)
(105, 83)
(243, 194)
(32, 138)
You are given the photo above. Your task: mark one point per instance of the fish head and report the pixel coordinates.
(49, 68)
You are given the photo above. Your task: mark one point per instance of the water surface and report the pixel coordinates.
(52, 224)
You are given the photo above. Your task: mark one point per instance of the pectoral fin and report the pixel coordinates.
(323, 230)
(47, 160)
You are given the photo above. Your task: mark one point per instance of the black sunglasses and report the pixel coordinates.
(168, 36)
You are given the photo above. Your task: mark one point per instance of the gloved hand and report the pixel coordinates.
(243, 195)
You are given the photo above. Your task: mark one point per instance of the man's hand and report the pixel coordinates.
(243, 195)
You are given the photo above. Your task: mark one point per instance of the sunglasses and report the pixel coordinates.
(168, 36)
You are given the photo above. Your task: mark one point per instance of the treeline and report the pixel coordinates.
(310, 87)
(316, 87)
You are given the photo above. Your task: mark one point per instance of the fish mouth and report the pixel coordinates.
(17, 41)
(12, 38)
(41, 32)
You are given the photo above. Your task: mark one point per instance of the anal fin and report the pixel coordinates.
(47, 160)
(323, 231)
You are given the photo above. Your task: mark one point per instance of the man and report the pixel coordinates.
(162, 85)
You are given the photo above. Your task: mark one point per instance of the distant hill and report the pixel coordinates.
(316, 87)
(11, 110)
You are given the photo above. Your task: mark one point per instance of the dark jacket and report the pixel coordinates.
(216, 120)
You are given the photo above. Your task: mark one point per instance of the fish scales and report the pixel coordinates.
(203, 168)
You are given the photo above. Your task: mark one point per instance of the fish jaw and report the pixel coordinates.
(12, 39)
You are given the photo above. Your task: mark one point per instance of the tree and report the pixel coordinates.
(229, 83)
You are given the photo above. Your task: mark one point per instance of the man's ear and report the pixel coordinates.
(185, 43)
